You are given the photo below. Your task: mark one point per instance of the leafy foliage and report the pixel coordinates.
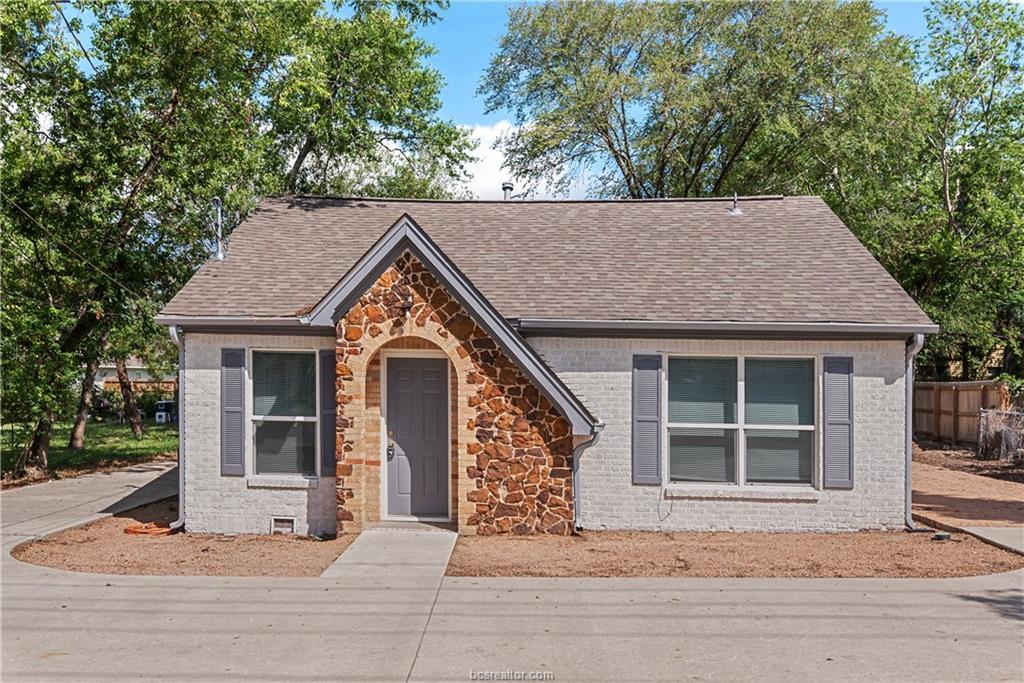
(919, 148)
(110, 445)
(113, 150)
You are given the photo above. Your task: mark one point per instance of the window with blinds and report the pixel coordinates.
(702, 405)
(284, 412)
(702, 390)
(779, 392)
(765, 438)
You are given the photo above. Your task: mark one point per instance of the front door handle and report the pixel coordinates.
(391, 449)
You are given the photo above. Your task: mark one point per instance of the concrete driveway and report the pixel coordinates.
(68, 626)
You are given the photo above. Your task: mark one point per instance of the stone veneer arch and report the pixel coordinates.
(512, 448)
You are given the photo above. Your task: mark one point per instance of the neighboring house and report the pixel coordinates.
(138, 374)
(528, 366)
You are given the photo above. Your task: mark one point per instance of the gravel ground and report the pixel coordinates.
(103, 547)
(967, 461)
(727, 554)
(961, 499)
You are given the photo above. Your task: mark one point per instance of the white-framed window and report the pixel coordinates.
(741, 420)
(284, 396)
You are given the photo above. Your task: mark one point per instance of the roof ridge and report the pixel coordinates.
(621, 200)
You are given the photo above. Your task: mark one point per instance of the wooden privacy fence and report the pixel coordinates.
(949, 411)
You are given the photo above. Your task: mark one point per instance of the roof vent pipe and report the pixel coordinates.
(219, 255)
(735, 210)
(506, 187)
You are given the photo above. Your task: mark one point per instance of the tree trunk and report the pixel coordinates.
(131, 411)
(77, 441)
(293, 175)
(37, 452)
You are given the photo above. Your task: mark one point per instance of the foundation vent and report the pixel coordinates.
(282, 525)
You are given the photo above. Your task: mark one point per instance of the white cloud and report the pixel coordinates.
(486, 173)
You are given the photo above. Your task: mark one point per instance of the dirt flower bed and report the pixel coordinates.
(722, 554)
(967, 461)
(103, 547)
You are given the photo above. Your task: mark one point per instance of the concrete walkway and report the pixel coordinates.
(404, 554)
(1011, 538)
(383, 624)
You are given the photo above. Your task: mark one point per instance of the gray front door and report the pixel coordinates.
(417, 437)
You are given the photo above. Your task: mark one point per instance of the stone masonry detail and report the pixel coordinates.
(514, 448)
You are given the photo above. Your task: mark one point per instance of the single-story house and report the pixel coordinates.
(534, 366)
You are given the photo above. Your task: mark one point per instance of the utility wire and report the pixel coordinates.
(74, 251)
(85, 53)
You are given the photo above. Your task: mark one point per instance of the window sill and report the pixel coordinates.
(776, 493)
(264, 481)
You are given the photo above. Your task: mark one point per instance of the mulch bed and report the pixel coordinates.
(103, 547)
(728, 554)
(967, 461)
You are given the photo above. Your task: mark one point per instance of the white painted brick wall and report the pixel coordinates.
(599, 371)
(229, 505)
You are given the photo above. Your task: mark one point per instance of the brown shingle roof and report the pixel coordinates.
(782, 260)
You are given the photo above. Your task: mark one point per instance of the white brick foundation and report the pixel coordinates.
(237, 505)
(599, 371)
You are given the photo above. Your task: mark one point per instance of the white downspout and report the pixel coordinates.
(178, 337)
(577, 452)
(908, 379)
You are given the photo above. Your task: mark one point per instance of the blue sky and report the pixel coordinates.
(467, 35)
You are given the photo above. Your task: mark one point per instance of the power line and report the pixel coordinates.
(99, 81)
(76, 253)
(85, 53)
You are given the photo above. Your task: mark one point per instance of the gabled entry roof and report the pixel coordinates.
(406, 235)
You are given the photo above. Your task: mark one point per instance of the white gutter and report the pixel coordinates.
(577, 453)
(179, 340)
(908, 379)
(228, 320)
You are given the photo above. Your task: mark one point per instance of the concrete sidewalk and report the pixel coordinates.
(381, 624)
(41, 509)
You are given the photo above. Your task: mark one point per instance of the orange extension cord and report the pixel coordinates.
(148, 529)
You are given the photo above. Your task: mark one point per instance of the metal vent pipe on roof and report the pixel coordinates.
(219, 255)
(506, 187)
(735, 210)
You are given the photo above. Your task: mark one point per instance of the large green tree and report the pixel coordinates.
(918, 147)
(121, 120)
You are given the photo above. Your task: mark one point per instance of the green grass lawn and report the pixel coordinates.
(106, 445)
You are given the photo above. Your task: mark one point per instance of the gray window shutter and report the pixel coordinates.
(232, 412)
(328, 413)
(838, 408)
(647, 419)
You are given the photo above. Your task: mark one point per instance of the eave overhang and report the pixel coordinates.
(718, 329)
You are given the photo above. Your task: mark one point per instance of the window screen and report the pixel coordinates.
(702, 390)
(779, 456)
(286, 448)
(702, 455)
(779, 391)
(284, 384)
